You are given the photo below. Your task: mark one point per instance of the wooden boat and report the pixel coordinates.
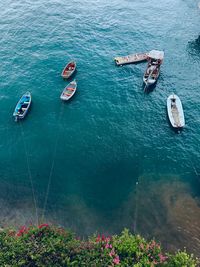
(69, 91)
(135, 58)
(175, 111)
(22, 106)
(68, 70)
(155, 59)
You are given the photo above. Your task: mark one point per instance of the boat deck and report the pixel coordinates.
(176, 117)
(135, 58)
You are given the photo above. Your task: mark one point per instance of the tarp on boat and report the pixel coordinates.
(156, 54)
(175, 111)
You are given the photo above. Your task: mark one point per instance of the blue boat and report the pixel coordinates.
(22, 106)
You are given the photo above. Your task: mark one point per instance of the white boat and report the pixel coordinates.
(69, 91)
(152, 72)
(175, 111)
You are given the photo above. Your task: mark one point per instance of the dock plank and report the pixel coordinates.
(134, 58)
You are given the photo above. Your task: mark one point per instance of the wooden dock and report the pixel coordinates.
(135, 58)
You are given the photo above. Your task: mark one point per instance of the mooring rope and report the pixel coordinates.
(191, 163)
(53, 162)
(136, 207)
(139, 180)
(144, 117)
(29, 174)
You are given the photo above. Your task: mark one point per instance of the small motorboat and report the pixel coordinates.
(69, 91)
(155, 59)
(22, 106)
(68, 70)
(175, 111)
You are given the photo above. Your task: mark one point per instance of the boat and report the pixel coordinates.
(155, 59)
(175, 111)
(22, 106)
(69, 91)
(68, 70)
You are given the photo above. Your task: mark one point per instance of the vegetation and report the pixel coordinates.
(47, 245)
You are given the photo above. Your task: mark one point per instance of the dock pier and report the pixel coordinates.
(135, 58)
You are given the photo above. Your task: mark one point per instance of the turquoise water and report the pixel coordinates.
(100, 161)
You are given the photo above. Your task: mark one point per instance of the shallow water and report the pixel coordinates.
(93, 150)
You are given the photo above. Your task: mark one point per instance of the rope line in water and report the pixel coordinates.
(136, 208)
(137, 184)
(29, 174)
(144, 117)
(53, 162)
(54, 155)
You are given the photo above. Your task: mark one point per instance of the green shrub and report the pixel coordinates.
(182, 259)
(53, 246)
(133, 250)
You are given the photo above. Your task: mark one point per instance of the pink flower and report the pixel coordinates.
(112, 253)
(116, 260)
(107, 239)
(22, 231)
(107, 245)
(98, 238)
(43, 225)
(18, 234)
(162, 258)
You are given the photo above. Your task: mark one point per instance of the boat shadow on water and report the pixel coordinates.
(149, 89)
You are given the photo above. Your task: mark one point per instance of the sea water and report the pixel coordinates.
(108, 159)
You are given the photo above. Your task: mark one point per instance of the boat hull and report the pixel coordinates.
(69, 91)
(152, 72)
(149, 82)
(175, 111)
(22, 106)
(69, 70)
(151, 75)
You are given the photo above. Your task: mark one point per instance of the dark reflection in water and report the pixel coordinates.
(163, 207)
(194, 47)
(169, 210)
